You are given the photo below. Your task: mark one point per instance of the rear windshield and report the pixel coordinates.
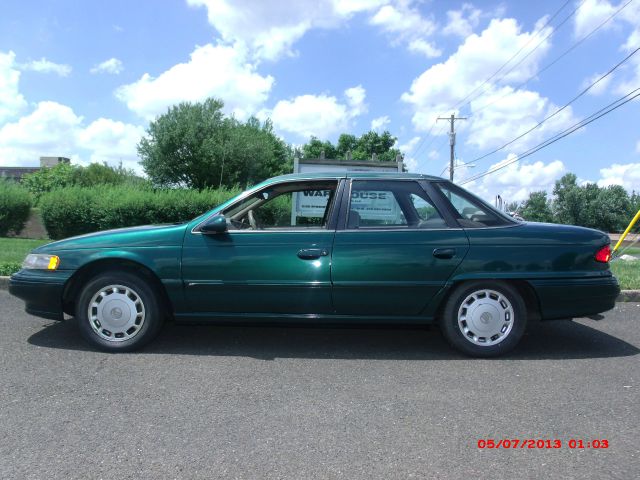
(470, 211)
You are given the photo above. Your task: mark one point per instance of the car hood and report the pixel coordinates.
(142, 236)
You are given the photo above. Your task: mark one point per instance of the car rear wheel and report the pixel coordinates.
(484, 318)
(118, 311)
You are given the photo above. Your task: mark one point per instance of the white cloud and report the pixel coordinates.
(407, 150)
(627, 175)
(49, 124)
(444, 84)
(427, 49)
(494, 120)
(53, 129)
(594, 12)
(516, 181)
(380, 123)
(512, 116)
(638, 146)
(270, 28)
(112, 142)
(600, 87)
(112, 66)
(405, 24)
(355, 99)
(46, 66)
(318, 115)
(591, 14)
(212, 71)
(11, 101)
(462, 22)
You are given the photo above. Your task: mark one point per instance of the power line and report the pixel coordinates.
(533, 36)
(553, 62)
(586, 121)
(518, 52)
(583, 92)
(415, 150)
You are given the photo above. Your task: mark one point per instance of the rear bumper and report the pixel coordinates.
(577, 297)
(41, 292)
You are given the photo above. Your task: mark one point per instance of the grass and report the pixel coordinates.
(628, 274)
(630, 251)
(13, 251)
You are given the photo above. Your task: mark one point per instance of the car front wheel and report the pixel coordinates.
(484, 318)
(118, 311)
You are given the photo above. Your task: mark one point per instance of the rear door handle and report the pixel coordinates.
(444, 253)
(312, 253)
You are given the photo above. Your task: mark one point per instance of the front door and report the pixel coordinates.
(394, 251)
(274, 258)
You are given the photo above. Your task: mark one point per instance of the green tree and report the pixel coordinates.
(361, 148)
(103, 174)
(537, 208)
(346, 143)
(315, 148)
(47, 179)
(606, 209)
(634, 201)
(612, 209)
(195, 145)
(65, 175)
(568, 200)
(15, 204)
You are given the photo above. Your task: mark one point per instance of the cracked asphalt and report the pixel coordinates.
(298, 403)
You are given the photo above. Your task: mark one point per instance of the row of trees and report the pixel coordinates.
(606, 208)
(359, 148)
(195, 145)
(66, 175)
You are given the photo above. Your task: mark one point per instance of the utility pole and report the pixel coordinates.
(452, 141)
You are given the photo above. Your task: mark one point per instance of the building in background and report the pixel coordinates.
(16, 173)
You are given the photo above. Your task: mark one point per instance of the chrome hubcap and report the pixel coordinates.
(485, 317)
(116, 313)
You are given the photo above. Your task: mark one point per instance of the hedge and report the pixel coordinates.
(15, 204)
(77, 210)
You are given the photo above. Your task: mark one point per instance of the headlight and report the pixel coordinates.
(40, 261)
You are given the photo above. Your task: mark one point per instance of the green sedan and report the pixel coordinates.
(334, 248)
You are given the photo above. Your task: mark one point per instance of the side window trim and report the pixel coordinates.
(445, 208)
(430, 192)
(331, 215)
(470, 198)
(343, 208)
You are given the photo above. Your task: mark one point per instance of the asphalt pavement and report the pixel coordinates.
(300, 403)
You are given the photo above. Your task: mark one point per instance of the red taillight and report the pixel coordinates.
(604, 254)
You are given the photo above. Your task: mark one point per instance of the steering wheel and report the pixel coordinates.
(252, 220)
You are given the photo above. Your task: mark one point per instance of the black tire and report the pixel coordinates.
(471, 343)
(143, 291)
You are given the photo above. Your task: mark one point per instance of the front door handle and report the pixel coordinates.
(444, 253)
(312, 253)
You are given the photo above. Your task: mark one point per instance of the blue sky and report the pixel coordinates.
(83, 79)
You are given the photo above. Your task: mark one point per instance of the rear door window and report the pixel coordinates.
(471, 212)
(391, 204)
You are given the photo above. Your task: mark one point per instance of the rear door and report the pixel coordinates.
(393, 250)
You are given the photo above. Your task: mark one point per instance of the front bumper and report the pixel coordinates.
(576, 297)
(41, 291)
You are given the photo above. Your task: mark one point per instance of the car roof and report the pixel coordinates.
(329, 175)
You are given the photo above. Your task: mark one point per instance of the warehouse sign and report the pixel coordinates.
(372, 205)
(312, 203)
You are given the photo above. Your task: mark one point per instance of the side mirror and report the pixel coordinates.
(217, 224)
